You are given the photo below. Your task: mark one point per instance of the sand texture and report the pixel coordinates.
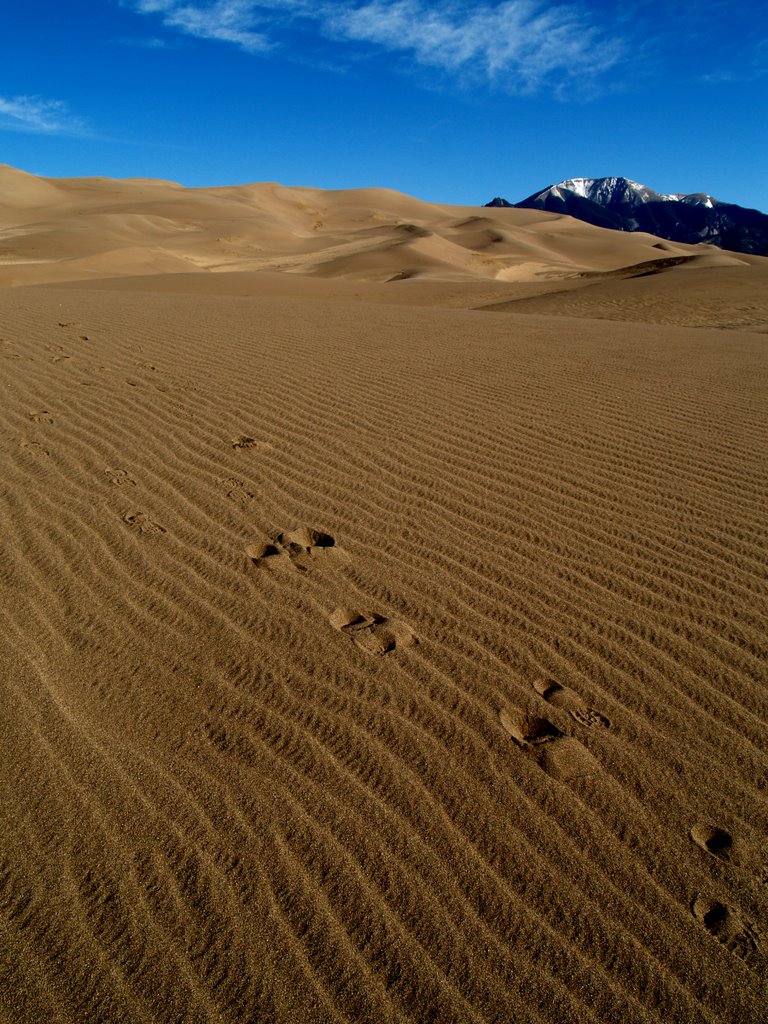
(375, 649)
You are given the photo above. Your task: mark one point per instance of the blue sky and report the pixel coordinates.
(451, 102)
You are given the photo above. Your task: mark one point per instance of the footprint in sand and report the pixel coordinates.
(373, 633)
(714, 840)
(727, 926)
(561, 756)
(237, 490)
(560, 696)
(141, 521)
(267, 556)
(299, 549)
(528, 730)
(34, 447)
(120, 477)
(59, 354)
(720, 844)
(244, 442)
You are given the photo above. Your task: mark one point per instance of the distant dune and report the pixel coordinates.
(383, 607)
(86, 228)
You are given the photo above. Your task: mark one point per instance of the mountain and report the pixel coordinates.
(625, 205)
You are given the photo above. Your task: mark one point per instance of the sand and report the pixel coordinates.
(383, 630)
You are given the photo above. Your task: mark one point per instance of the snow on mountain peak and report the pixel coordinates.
(605, 190)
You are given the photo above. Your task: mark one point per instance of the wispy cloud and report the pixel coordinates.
(39, 116)
(519, 45)
(227, 21)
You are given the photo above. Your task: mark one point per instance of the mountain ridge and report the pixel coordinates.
(622, 204)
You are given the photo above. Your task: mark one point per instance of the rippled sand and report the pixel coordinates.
(369, 658)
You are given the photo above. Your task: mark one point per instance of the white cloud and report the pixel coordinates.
(228, 21)
(33, 114)
(520, 45)
(516, 43)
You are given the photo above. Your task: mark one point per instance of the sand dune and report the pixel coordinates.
(366, 658)
(694, 293)
(75, 229)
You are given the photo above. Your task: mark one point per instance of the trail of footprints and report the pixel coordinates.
(723, 922)
(565, 758)
(560, 755)
(140, 521)
(236, 489)
(291, 545)
(304, 548)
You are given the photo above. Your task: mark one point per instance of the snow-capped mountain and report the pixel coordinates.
(607, 191)
(610, 190)
(626, 205)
